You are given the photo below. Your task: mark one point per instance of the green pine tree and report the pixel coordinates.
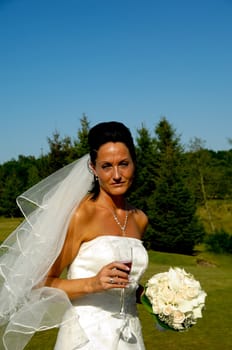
(81, 144)
(174, 226)
(145, 169)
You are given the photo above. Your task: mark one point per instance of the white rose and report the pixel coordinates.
(201, 297)
(179, 297)
(200, 300)
(176, 278)
(197, 312)
(167, 310)
(167, 295)
(156, 309)
(178, 316)
(173, 279)
(158, 305)
(191, 292)
(158, 278)
(151, 293)
(191, 283)
(186, 306)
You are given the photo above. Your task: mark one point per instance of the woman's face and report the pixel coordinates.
(114, 168)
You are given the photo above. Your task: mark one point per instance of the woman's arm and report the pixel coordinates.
(78, 287)
(75, 288)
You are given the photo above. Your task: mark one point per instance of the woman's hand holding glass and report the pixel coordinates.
(113, 275)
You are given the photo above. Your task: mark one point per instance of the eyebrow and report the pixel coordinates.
(109, 162)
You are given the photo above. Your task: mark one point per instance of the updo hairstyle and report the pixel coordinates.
(108, 132)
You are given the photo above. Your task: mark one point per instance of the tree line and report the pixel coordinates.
(170, 183)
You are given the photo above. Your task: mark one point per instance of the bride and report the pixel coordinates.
(80, 220)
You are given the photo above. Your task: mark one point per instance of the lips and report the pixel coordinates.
(118, 184)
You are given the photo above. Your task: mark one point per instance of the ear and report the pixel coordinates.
(92, 169)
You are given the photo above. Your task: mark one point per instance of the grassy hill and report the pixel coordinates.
(220, 213)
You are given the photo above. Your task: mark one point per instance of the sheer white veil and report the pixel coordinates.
(28, 253)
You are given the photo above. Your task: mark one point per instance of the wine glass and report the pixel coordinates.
(125, 256)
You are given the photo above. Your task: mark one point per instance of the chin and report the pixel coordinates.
(119, 192)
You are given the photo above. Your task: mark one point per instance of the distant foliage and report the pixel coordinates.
(219, 242)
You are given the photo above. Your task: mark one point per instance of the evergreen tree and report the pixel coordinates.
(33, 176)
(144, 180)
(81, 146)
(59, 151)
(174, 226)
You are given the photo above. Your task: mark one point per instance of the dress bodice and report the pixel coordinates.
(95, 310)
(102, 250)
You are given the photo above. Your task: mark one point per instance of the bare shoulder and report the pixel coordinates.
(82, 215)
(140, 218)
(78, 225)
(74, 238)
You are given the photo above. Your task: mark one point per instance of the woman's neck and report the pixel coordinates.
(113, 202)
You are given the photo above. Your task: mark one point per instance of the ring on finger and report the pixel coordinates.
(111, 280)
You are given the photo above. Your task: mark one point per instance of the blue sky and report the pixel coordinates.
(127, 60)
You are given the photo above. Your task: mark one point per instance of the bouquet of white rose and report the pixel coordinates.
(175, 298)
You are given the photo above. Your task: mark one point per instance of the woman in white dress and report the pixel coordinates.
(101, 229)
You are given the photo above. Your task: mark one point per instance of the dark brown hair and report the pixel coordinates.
(108, 132)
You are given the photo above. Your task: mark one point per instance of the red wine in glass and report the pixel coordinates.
(128, 263)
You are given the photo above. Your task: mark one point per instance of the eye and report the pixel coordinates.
(106, 166)
(124, 164)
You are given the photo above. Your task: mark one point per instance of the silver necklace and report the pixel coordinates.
(122, 227)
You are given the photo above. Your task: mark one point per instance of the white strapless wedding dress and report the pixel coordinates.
(95, 311)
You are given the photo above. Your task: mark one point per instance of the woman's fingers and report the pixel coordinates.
(118, 266)
(117, 275)
(113, 275)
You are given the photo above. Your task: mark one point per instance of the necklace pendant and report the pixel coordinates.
(122, 227)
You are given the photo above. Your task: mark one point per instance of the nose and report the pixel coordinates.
(116, 174)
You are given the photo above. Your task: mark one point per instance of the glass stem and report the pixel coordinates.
(122, 301)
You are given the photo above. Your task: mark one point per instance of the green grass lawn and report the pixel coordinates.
(7, 226)
(212, 332)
